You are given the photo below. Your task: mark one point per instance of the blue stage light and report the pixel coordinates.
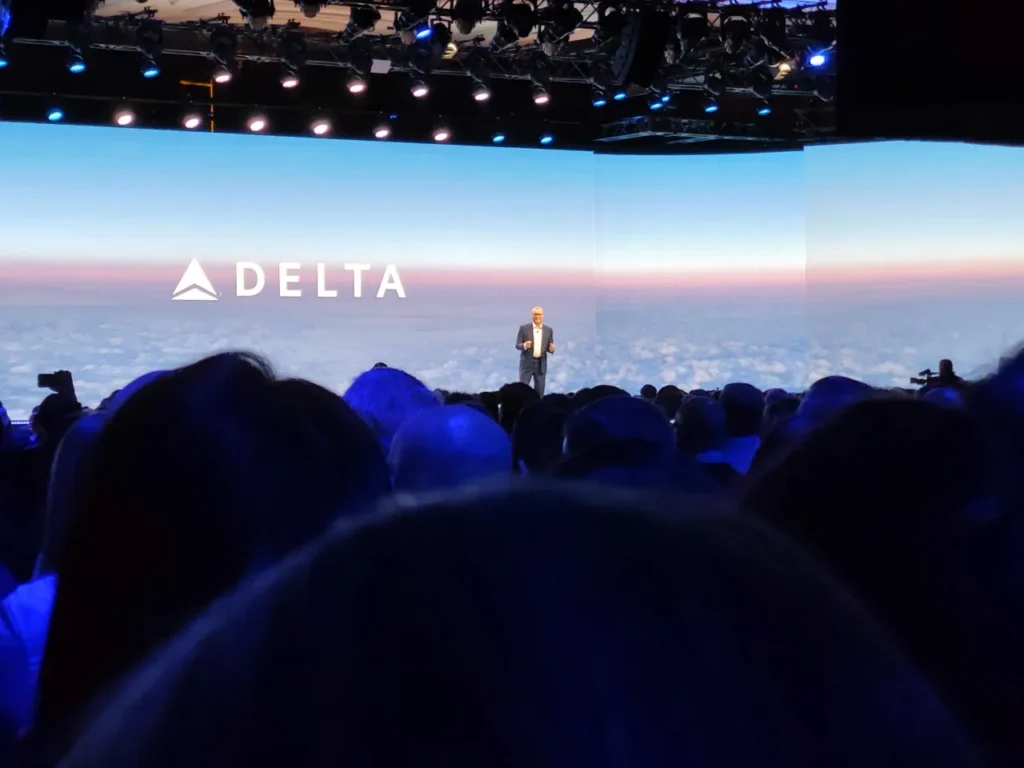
(619, 95)
(817, 60)
(422, 32)
(666, 98)
(657, 104)
(55, 115)
(764, 110)
(711, 108)
(599, 101)
(546, 139)
(498, 138)
(76, 66)
(150, 71)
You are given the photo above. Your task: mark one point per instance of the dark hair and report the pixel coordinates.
(744, 405)
(700, 426)
(648, 392)
(454, 628)
(513, 398)
(537, 435)
(204, 475)
(668, 399)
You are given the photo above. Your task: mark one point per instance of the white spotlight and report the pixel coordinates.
(321, 127)
(256, 124)
(356, 84)
(222, 75)
(420, 89)
(481, 93)
(191, 122)
(290, 81)
(442, 134)
(382, 132)
(124, 118)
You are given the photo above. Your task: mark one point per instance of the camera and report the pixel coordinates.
(58, 381)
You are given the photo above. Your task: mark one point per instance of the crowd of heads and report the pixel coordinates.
(218, 565)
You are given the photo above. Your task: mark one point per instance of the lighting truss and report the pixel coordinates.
(688, 64)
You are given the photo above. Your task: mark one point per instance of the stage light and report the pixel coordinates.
(3, 56)
(710, 106)
(481, 92)
(817, 60)
(149, 37)
(518, 20)
(546, 138)
(124, 118)
(619, 95)
(540, 95)
(356, 84)
(382, 131)
(413, 23)
(655, 103)
(498, 138)
(764, 109)
(441, 134)
(290, 80)
(223, 47)
(362, 19)
(191, 122)
(419, 89)
(599, 100)
(321, 127)
(55, 115)
(76, 64)
(256, 124)
(666, 97)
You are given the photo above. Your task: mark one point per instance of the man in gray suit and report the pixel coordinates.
(535, 342)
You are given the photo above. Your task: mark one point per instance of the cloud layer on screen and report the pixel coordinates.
(776, 268)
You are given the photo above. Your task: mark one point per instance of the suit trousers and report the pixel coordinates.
(532, 370)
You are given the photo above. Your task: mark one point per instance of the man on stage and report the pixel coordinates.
(535, 342)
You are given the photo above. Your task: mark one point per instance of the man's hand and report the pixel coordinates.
(527, 345)
(551, 347)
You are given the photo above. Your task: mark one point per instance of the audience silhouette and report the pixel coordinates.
(220, 566)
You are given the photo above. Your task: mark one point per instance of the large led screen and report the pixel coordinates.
(869, 260)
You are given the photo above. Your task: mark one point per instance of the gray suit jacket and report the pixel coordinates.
(526, 355)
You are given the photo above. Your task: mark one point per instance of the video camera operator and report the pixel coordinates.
(945, 378)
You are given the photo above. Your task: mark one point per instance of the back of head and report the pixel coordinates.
(203, 475)
(537, 435)
(776, 411)
(830, 395)
(886, 494)
(700, 426)
(447, 447)
(618, 418)
(513, 398)
(669, 398)
(68, 475)
(743, 404)
(456, 628)
(55, 415)
(385, 398)
(586, 396)
(648, 392)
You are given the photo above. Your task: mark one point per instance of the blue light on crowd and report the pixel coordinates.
(600, 101)
(422, 32)
(546, 139)
(817, 60)
(498, 138)
(55, 115)
(619, 95)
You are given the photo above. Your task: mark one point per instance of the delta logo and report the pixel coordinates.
(251, 279)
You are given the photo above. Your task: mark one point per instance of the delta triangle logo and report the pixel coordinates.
(194, 285)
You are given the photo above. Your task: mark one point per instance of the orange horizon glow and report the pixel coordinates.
(71, 274)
